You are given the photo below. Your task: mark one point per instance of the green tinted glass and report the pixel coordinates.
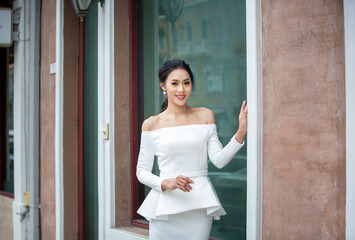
(210, 36)
(7, 88)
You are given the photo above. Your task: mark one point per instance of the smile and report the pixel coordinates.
(180, 97)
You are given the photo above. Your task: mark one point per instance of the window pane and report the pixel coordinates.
(9, 175)
(8, 157)
(210, 36)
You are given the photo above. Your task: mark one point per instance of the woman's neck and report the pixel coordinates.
(176, 110)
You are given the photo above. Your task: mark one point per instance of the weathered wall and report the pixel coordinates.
(47, 120)
(122, 120)
(303, 119)
(70, 124)
(6, 226)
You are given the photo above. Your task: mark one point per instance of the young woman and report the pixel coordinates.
(182, 203)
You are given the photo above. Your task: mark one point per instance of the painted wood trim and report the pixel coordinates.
(59, 206)
(21, 70)
(254, 100)
(349, 34)
(140, 224)
(106, 189)
(6, 194)
(100, 111)
(81, 131)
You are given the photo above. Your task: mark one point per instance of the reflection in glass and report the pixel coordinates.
(8, 162)
(210, 36)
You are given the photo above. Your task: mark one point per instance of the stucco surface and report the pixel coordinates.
(6, 226)
(122, 121)
(70, 124)
(303, 119)
(47, 121)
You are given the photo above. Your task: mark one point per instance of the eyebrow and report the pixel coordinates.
(187, 79)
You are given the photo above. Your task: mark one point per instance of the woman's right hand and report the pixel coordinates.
(181, 182)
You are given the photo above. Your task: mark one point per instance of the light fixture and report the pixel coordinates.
(81, 7)
(172, 9)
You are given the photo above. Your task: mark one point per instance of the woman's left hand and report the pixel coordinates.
(243, 117)
(243, 123)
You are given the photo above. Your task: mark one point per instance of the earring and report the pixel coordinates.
(164, 92)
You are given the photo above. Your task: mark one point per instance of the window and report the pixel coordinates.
(175, 35)
(189, 34)
(204, 29)
(6, 121)
(161, 38)
(221, 87)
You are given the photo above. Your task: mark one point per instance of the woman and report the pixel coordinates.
(182, 203)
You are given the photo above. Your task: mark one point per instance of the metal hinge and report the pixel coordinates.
(16, 18)
(15, 36)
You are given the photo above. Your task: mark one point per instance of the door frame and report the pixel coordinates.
(254, 99)
(349, 36)
(106, 98)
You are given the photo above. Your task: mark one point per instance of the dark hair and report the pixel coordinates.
(167, 68)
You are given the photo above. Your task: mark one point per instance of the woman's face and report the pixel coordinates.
(178, 87)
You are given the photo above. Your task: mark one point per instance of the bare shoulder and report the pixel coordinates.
(150, 123)
(205, 115)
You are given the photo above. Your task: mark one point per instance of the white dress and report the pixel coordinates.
(182, 150)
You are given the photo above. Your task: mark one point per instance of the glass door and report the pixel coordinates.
(90, 125)
(210, 35)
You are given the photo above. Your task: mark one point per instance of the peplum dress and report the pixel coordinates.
(182, 150)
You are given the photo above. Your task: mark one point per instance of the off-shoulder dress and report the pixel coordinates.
(182, 150)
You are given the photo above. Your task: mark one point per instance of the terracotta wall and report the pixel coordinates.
(303, 119)
(6, 226)
(47, 120)
(122, 120)
(70, 121)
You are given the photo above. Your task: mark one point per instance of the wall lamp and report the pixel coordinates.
(172, 9)
(81, 7)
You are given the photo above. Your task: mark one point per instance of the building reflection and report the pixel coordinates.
(210, 36)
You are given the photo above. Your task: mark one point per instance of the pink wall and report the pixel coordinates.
(70, 122)
(47, 120)
(122, 120)
(303, 119)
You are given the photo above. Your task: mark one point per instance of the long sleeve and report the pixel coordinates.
(181, 150)
(218, 155)
(145, 163)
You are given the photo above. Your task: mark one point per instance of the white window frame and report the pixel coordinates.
(59, 197)
(254, 98)
(106, 178)
(21, 118)
(349, 35)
